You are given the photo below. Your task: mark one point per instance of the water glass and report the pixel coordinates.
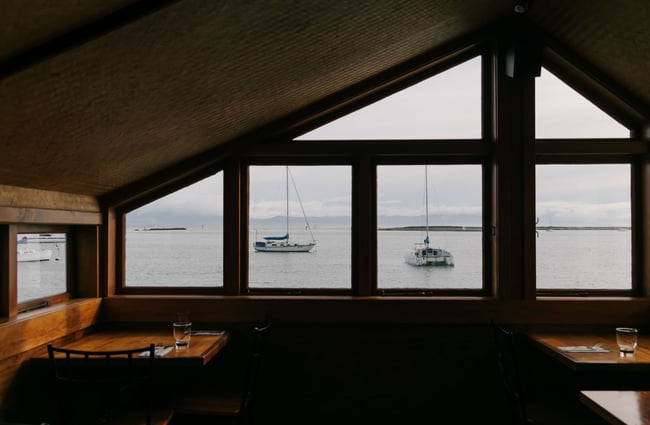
(182, 334)
(626, 338)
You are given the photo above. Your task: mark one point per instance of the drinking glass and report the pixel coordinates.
(182, 334)
(626, 338)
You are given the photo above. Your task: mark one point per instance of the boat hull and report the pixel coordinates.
(282, 247)
(423, 257)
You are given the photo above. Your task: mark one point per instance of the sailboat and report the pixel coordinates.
(282, 243)
(422, 254)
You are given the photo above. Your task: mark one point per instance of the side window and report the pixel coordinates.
(41, 265)
(177, 241)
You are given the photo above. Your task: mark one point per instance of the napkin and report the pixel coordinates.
(206, 333)
(159, 351)
(584, 349)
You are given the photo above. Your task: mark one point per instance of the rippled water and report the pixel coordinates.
(567, 259)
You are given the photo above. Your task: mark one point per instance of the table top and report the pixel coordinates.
(201, 350)
(549, 342)
(619, 407)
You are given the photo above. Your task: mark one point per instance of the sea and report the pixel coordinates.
(566, 259)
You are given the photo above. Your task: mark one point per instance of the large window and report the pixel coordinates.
(583, 209)
(432, 190)
(177, 241)
(300, 234)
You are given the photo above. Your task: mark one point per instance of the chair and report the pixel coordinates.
(238, 407)
(105, 387)
(528, 408)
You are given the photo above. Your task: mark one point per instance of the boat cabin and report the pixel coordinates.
(171, 116)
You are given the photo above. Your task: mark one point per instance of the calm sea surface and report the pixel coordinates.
(582, 259)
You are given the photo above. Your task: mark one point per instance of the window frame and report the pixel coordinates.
(70, 284)
(119, 286)
(508, 152)
(630, 151)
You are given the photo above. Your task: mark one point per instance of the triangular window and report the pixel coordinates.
(562, 113)
(445, 106)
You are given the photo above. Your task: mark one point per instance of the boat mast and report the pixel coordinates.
(286, 172)
(426, 203)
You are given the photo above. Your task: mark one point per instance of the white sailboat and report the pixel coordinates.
(422, 254)
(283, 243)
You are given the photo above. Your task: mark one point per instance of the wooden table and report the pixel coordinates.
(201, 350)
(619, 407)
(548, 342)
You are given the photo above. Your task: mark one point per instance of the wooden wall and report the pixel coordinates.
(327, 360)
(27, 337)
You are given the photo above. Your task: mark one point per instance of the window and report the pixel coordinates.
(177, 241)
(445, 106)
(429, 227)
(42, 265)
(584, 216)
(299, 228)
(562, 113)
(583, 199)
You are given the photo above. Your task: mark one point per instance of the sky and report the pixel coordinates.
(446, 106)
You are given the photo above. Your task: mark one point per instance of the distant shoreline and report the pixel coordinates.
(160, 228)
(479, 228)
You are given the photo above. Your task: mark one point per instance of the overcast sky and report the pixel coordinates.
(446, 106)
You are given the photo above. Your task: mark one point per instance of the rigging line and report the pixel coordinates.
(300, 202)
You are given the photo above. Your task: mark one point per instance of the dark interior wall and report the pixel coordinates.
(381, 374)
(326, 373)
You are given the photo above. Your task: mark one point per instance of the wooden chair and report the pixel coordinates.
(237, 406)
(105, 387)
(527, 408)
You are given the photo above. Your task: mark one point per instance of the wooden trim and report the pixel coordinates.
(112, 253)
(509, 184)
(33, 329)
(86, 255)
(641, 225)
(8, 274)
(43, 216)
(425, 310)
(593, 147)
(364, 227)
(232, 225)
(601, 90)
(528, 190)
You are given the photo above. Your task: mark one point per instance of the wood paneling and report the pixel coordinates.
(26, 335)
(20, 197)
(46, 216)
(376, 310)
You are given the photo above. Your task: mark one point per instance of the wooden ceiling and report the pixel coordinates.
(98, 94)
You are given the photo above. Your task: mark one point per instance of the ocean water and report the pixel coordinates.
(566, 259)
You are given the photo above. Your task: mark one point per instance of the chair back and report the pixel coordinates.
(249, 395)
(96, 385)
(509, 367)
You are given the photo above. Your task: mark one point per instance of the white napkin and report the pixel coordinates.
(159, 351)
(584, 349)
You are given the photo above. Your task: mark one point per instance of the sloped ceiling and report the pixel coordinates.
(109, 108)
